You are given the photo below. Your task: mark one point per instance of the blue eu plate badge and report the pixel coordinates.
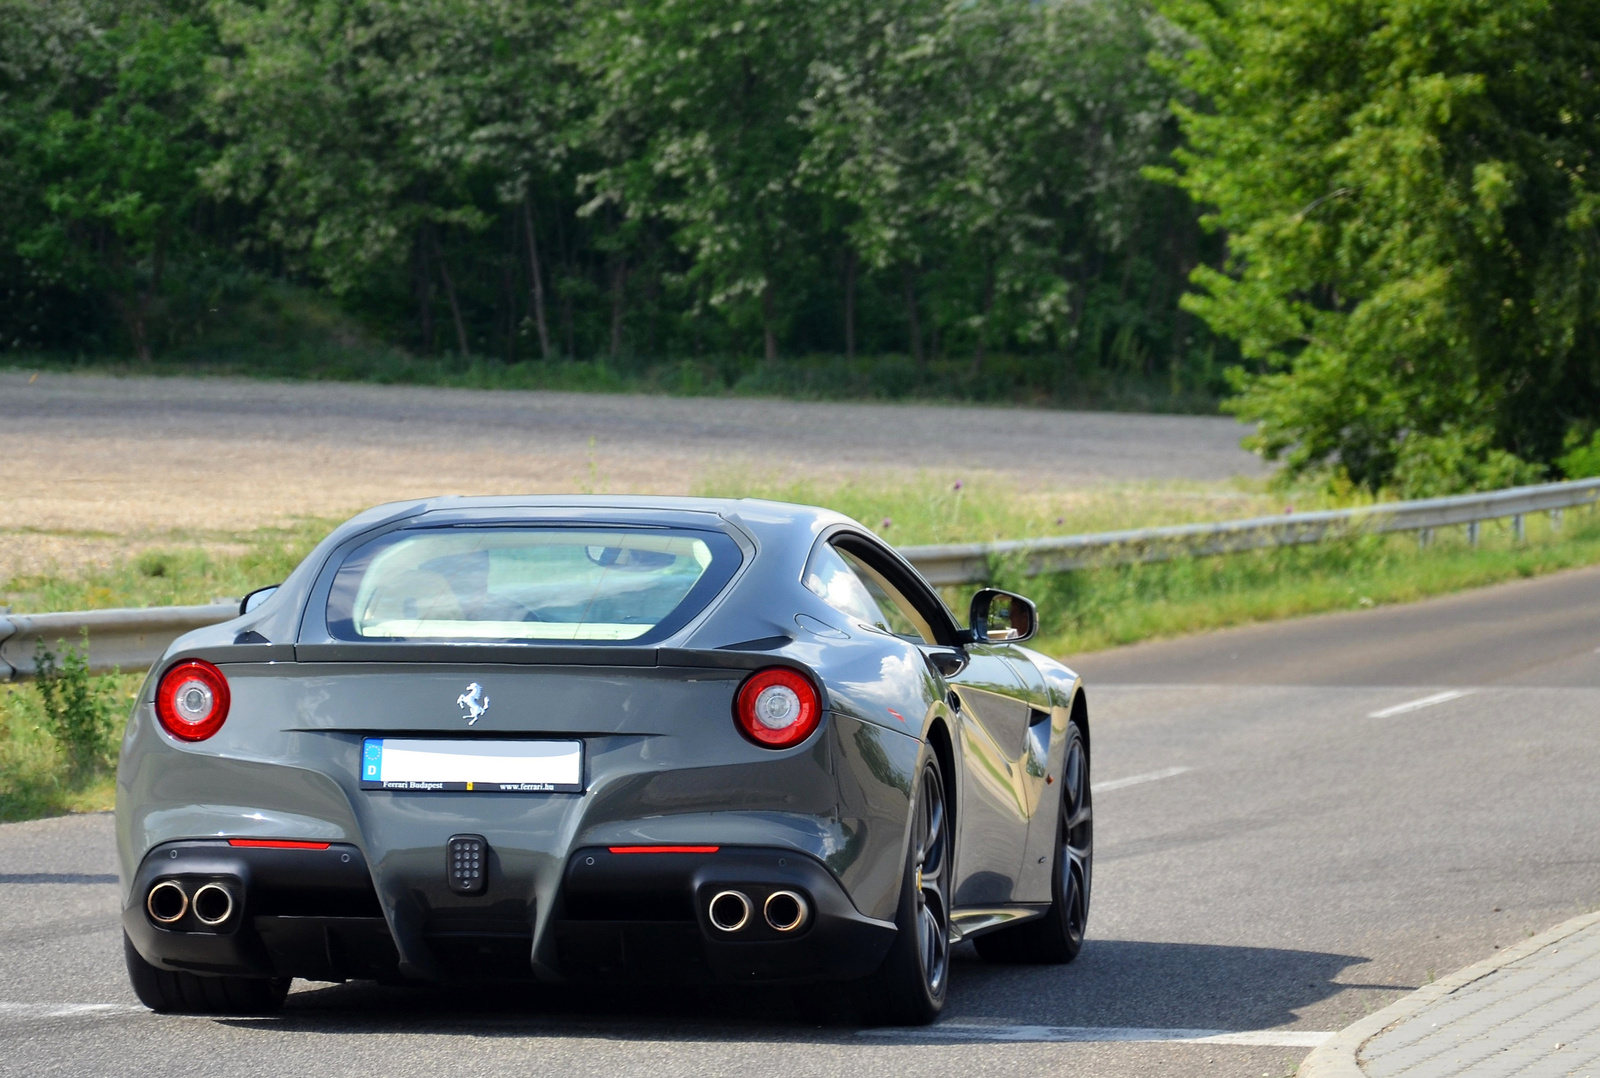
(473, 765)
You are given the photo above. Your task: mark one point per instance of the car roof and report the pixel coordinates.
(769, 512)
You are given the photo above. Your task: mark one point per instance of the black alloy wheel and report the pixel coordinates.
(1075, 859)
(1058, 935)
(909, 988)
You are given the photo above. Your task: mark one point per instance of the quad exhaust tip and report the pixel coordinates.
(166, 903)
(729, 911)
(786, 911)
(213, 904)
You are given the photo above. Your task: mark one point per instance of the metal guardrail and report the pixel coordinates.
(967, 563)
(118, 639)
(133, 639)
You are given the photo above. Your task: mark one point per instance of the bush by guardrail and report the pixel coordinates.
(131, 640)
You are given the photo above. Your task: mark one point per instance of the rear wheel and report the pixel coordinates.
(909, 988)
(190, 993)
(1058, 935)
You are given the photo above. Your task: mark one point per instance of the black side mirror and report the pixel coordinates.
(1000, 617)
(256, 598)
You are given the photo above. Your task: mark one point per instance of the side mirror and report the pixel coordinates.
(999, 617)
(256, 598)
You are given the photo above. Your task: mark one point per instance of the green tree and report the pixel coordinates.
(1409, 192)
(693, 124)
(985, 147)
(102, 141)
(373, 133)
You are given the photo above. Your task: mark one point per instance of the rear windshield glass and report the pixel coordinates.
(567, 584)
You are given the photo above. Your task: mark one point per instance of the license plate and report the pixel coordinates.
(399, 763)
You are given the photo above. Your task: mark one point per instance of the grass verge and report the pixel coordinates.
(182, 568)
(1080, 611)
(1108, 607)
(35, 778)
(1005, 379)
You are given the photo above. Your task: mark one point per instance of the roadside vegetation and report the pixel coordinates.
(1370, 225)
(687, 196)
(1114, 605)
(58, 739)
(56, 745)
(1008, 378)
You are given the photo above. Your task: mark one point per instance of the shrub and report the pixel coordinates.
(1582, 461)
(1458, 462)
(78, 708)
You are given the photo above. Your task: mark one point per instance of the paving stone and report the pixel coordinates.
(1508, 1024)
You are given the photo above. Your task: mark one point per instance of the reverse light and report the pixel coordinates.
(777, 707)
(192, 700)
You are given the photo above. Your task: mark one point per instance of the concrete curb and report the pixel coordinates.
(1337, 1057)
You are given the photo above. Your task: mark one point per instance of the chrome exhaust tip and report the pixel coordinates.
(213, 904)
(786, 911)
(729, 911)
(166, 903)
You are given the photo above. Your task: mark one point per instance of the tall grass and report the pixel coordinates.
(953, 509)
(186, 569)
(37, 777)
(1105, 607)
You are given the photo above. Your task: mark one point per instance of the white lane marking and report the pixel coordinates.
(1417, 705)
(1272, 1038)
(65, 1010)
(1134, 780)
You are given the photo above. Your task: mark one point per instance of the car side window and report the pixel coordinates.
(902, 617)
(853, 587)
(832, 579)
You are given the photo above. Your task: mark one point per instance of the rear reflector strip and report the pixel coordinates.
(664, 849)
(276, 844)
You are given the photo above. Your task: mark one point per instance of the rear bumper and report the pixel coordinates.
(314, 913)
(298, 913)
(644, 917)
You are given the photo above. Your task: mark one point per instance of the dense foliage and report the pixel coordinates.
(913, 196)
(1411, 192)
(542, 179)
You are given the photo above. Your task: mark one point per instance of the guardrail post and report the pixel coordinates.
(1424, 537)
(1519, 528)
(1555, 520)
(1472, 533)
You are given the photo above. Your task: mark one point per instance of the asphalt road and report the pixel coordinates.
(1068, 446)
(1296, 824)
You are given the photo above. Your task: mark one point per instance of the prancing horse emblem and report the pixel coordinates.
(475, 702)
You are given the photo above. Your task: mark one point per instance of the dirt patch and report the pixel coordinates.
(102, 467)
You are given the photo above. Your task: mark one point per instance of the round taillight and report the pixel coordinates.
(192, 700)
(777, 707)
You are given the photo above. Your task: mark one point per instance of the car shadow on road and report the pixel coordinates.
(1135, 984)
(1113, 984)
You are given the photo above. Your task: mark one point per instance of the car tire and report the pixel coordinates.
(1057, 937)
(909, 988)
(190, 993)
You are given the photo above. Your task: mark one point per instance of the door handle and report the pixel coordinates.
(947, 662)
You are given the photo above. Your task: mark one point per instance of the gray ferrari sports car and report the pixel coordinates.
(578, 739)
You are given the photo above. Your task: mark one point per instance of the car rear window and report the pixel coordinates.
(558, 584)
